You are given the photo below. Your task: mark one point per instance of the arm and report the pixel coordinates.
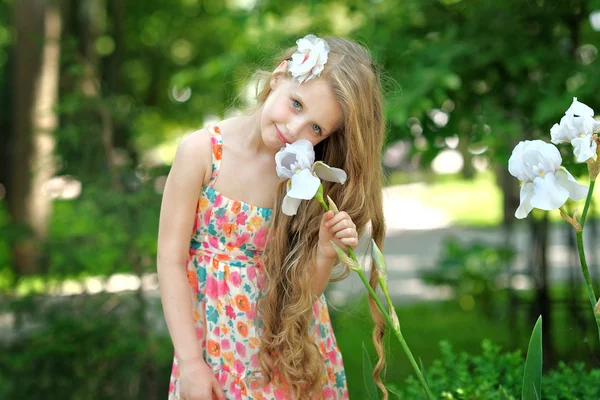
(340, 229)
(324, 266)
(180, 197)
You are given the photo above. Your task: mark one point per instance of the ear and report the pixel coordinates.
(279, 73)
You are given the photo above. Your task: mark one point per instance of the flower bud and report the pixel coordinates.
(332, 205)
(353, 265)
(394, 317)
(593, 167)
(597, 310)
(377, 256)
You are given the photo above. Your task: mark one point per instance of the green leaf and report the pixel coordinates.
(532, 376)
(368, 375)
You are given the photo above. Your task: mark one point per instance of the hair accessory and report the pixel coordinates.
(309, 59)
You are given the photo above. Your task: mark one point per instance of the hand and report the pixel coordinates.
(338, 228)
(197, 381)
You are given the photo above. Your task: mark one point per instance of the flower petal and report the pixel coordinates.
(328, 173)
(532, 157)
(580, 109)
(547, 193)
(290, 205)
(576, 190)
(308, 60)
(304, 149)
(283, 164)
(294, 156)
(304, 185)
(559, 132)
(525, 207)
(584, 148)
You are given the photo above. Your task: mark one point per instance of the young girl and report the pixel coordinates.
(241, 283)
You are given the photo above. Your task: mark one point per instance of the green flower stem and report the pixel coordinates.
(588, 200)
(582, 259)
(588, 280)
(386, 315)
(396, 331)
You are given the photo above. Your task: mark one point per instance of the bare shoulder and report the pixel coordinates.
(194, 155)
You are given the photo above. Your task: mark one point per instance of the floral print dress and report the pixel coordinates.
(225, 276)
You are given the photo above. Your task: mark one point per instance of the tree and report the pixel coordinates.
(35, 80)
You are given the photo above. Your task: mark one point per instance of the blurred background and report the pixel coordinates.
(95, 96)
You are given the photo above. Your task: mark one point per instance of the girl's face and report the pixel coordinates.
(291, 112)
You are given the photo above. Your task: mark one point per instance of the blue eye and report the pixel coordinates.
(296, 104)
(316, 128)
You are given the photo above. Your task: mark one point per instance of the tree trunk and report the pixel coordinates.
(5, 126)
(35, 77)
(468, 171)
(539, 265)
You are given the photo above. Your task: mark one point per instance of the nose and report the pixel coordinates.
(293, 127)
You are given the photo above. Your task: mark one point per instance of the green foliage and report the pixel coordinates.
(573, 381)
(461, 376)
(495, 375)
(532, 375)
(84, 348)
(472, 270)
(106, 231)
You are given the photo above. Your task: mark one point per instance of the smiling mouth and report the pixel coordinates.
(280, 135)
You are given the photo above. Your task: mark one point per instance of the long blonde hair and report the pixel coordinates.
(288, 353)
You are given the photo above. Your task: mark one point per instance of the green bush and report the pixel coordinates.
(496, 375)
(84, 348)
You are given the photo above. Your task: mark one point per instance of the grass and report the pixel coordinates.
(424, 326)
(473, 202)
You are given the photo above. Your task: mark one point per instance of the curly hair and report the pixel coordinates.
(288, 353)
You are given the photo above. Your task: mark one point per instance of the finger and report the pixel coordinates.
(346, 233)
(341, 225)
(327, 217)
(350, 241)
(338, 217)
(342, 218)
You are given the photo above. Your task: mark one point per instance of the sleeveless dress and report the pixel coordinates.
(225, 276)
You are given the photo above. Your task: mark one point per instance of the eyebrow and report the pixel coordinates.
(296, 95)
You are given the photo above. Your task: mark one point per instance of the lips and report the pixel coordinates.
(280, 136)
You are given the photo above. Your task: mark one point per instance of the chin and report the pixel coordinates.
(271, 140)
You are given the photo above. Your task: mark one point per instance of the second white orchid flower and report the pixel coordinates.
(545, 184)
(577, 127)
(296, 162)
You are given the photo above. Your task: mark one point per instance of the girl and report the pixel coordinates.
(241, 283)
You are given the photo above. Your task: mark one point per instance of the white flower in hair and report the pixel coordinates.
(309, 59)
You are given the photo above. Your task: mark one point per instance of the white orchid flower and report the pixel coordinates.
(296, 162)
(309, 59)
(293, 157)
(545, 184)
(577, 127)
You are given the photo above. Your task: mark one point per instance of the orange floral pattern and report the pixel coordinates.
(225, 276)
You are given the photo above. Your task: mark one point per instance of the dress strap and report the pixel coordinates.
(217, 151)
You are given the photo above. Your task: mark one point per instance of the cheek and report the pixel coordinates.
(278, 107)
